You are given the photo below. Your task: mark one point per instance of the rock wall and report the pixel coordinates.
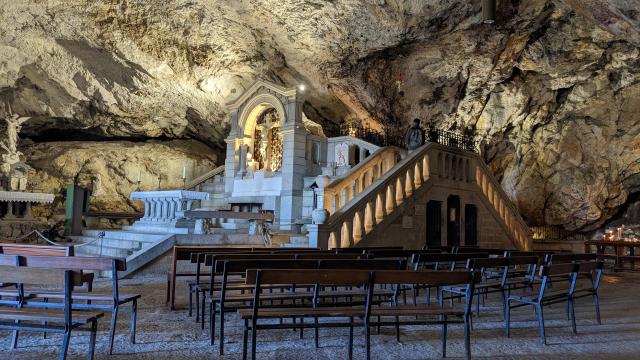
(110, 169)
(550, 89)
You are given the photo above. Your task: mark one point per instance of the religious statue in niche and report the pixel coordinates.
(267, 142)
(342, 154)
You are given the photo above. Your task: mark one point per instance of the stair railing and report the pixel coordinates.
(344, 189)
(503, 206)
(193, 183)
(359, 212)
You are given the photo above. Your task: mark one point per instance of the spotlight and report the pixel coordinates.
(301, 87)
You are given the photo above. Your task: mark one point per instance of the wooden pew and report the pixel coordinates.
(184, 253)
(226, 267)
(327, 278)
(103, 301)
(413, 314)
(62, 320)
(28, 249)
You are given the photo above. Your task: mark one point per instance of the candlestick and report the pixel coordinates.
(184, 172)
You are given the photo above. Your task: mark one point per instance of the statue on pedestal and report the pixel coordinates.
(10, 144)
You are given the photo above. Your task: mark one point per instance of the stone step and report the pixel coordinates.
(288, 245)
(302, 240)
(155, 229)
(114, 243)
(96, 250)
(124, 235)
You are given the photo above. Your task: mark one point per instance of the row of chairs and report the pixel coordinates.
(46, 289)
(234, 287)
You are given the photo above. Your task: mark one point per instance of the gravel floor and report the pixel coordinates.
(164, 334)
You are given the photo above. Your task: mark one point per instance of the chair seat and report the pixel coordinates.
(51, 316)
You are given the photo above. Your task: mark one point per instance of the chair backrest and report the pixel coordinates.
(589, 266)
(94, 263)
(40, 276)
(210, 258)
(486, 263)
(321, 255)
(241, 266)
(319, 277)
(366, 264)
(567, 258)
(430, 277)
(523, 260)
(584, 257)
(399, 253)
(560, 269)
(27, 249)
(366, 249)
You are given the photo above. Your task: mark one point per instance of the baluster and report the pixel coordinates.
(369, 218)
(408, 182)
(357, 227)
(478, 177)
(399, 192)
(380, 208)
(333, 242)
(425, 168)
(389, 202)
(345, 236)
(417, 175)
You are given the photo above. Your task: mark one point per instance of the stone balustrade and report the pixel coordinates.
(342, 190)
(357, 205)
(166, 207)
(19, 203)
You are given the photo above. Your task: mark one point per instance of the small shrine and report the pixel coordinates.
(274, 154)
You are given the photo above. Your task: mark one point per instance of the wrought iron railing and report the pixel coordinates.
(452, 139)
(394, 136)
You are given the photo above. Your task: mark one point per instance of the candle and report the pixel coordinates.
(184, 172)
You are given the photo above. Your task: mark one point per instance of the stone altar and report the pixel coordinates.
(164, 210)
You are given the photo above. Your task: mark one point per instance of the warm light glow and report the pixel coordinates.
(301, 87)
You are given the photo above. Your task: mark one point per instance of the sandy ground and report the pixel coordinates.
(164, 334)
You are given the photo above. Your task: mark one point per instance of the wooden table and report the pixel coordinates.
(618, 247)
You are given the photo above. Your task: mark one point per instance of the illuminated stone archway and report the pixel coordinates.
(285, 133)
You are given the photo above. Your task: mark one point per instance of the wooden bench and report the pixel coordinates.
(61, 320)
(27, 249)
(569, 273)
(103, 301)
(328, 278)
(231, 266)
(413, 314)
(185, 253)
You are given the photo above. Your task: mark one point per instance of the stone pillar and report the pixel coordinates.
(147, 206)
(27, 211)
(9, 214)
(293, 165)
(318, 236)
(230, 164)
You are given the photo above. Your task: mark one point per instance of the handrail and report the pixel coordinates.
(204, 177)
(377, 161)
(377, 186)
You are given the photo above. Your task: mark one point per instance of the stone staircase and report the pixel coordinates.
(137, 247)
(370, 207)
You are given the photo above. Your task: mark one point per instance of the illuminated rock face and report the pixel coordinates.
(551, 89)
